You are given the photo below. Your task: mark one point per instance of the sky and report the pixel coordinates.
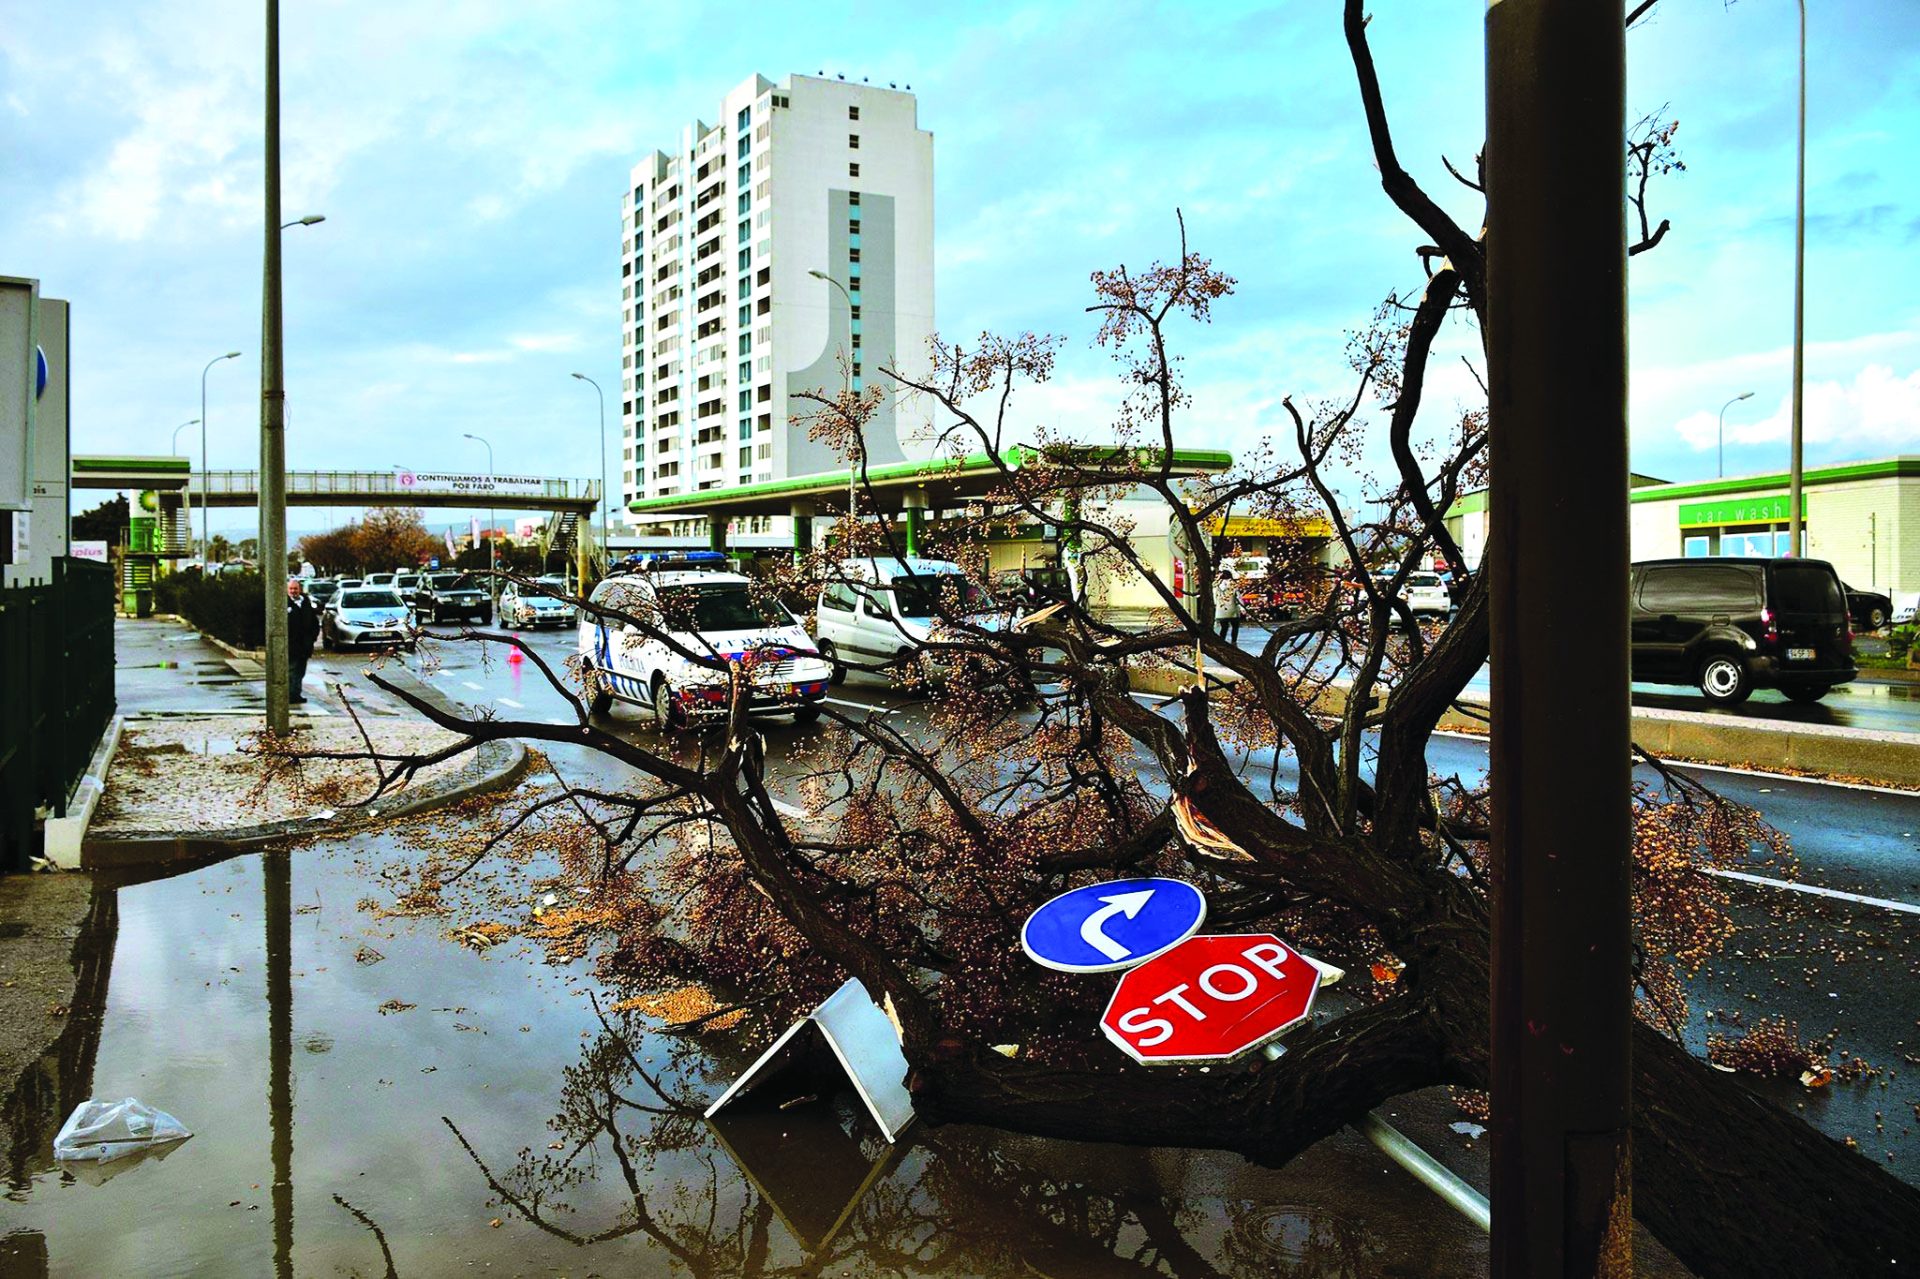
(470, 156)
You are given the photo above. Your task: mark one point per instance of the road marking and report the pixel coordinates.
(1881, 902)
(869, 707)
(470, 684)
(508, 701)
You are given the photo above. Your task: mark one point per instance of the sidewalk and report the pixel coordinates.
(187, 776)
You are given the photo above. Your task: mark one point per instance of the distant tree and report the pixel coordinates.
(334, 551)
(393, 537)
(219, 550)
(104, 523)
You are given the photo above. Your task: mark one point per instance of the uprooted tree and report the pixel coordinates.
(1293, 782)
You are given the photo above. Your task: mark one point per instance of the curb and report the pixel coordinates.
(1878, 757)
(495, 765)
(64, 837)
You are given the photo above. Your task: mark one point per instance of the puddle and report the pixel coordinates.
(444, 1111)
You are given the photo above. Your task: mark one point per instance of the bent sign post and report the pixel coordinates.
(1210, 999)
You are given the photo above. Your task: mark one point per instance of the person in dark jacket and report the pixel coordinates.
(303, 627)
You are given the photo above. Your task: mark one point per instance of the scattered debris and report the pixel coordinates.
(367, 955)
(100, 1131)
(1473, 1131)
(396, 1006)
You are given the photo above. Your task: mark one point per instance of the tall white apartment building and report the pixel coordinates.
(724, 323)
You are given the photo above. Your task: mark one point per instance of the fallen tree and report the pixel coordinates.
(921, 854)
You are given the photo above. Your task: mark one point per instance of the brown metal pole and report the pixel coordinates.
(1557, 504)
(273, 408)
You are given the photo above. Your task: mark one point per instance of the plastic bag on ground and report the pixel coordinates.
(105, 1130)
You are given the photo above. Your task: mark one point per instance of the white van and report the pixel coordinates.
(877, 610)
(712, 613)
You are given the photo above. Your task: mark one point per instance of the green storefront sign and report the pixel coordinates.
(1735, 510)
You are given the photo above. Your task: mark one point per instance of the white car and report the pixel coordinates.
(1427, 594)
(883, 609)
(524, 606)
(711, 613)
(368, 617)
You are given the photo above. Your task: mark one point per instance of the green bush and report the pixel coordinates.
(227, 606)
(1900, 640)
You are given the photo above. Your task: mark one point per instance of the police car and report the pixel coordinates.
(707, 611)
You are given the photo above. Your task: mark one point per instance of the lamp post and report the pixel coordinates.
(822, 275)
(1794, 522)
(174, 447)
(605, 545)
(1720, 468)
(273, 403)
(492, 585)
(204, 542)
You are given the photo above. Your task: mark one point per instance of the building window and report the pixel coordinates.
(853, 202)
(746, 176)
(765, 393)
(746, 145)
(1695, 547)
(853, 141)
(746, 459)
(746, 343)
(853, 170)
(856, 314)
(744, 203)
(746, 231)
(853, 113)
(743, 119)
(746, 400)
(853, 253)
(746, 315)
(746, 259)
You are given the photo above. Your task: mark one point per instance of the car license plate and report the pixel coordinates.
(1799, 655)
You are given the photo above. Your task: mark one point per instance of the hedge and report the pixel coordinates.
(227, 607)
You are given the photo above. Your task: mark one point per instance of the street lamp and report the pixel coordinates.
(822, 275)
(204, 543)
(174, 447)
(492, 584)
(606, 547)
(309, 220)
(1721, 468)
(1794, 530)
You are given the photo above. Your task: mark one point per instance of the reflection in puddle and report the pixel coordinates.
(508, 1121)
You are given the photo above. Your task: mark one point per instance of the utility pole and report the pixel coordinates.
(1795, 522)
(273, 408)
(1562, 1008)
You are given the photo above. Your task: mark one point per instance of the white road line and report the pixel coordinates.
(470, 684)
(860, 706)
(508, 701)
(1882, 902)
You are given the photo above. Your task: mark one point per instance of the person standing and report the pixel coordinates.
(303, 627)
(1226, 606)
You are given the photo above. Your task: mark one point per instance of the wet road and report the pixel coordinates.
(1868, 704)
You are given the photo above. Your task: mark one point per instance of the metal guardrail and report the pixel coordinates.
(56, 694)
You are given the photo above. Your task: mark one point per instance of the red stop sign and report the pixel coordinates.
(1210, 999)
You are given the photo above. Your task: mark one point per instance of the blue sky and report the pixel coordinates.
(470, 157)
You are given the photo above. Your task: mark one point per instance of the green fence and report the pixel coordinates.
(56, 695)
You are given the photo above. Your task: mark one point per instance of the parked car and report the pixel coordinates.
(1870, 610)
(409, 584)
(368, 617)
(455, 595)
(1427, 595)
(321, 589)
(382, 579)
(703, 611)
(1731, 625)
(348, 583)
(887, 608)
(526, 606)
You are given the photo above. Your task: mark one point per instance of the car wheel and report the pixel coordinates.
(806, 713)
(832, 658)
(599, 699)
(1723, 678)
(1876, 618)
(664, 717)
(1806, 694)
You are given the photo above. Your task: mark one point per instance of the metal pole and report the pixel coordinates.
(604, 542)
(206, 544)
(1720, 469)
(493, 586)
(273, 408)
(1794, 517)
(1562, 1015)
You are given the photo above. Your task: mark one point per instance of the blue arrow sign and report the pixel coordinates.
(1105, 927)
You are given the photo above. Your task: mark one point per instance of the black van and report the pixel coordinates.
(1732, 625)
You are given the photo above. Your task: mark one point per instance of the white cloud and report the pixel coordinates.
(1879, 411)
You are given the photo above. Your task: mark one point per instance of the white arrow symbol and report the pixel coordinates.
(1127, 904)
